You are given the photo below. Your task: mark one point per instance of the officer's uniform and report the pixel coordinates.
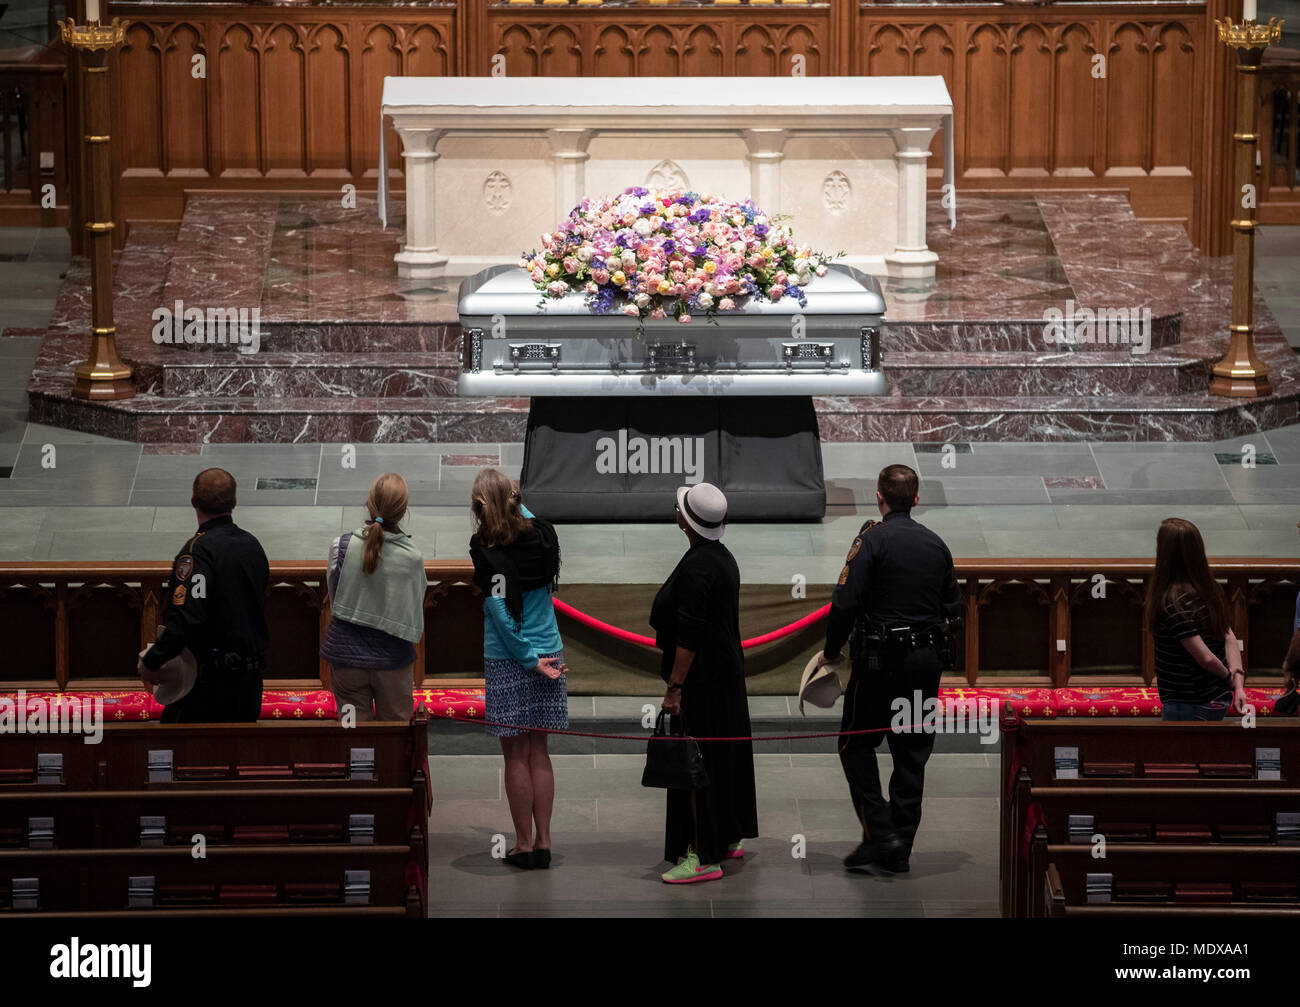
(215, 608)
(896, 596)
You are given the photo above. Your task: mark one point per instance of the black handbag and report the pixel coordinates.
(675, 763)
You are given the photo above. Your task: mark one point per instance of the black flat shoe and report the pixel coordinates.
(541, 859)
(524, 861)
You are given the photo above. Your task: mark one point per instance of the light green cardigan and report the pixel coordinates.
(391, 598)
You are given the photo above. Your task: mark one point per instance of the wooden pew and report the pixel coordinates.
(1122, 761)
(283, 809)
(1202, 879)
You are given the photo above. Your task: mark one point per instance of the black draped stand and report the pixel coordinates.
(622, 459)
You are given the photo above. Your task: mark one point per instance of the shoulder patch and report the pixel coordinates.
(178, 596)
(853, 550)
(844, 576)
(869, 523)
(183, 567)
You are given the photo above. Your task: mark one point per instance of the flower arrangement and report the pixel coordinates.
(650, 255)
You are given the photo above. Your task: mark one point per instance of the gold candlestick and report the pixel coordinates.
(1240, 373)
(102, 375)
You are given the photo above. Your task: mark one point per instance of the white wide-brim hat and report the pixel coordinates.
(178, 676)
(704, 508)
(819, 686)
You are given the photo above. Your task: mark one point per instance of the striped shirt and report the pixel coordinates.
(1179, 678)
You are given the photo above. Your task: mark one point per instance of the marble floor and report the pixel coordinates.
(607, 844)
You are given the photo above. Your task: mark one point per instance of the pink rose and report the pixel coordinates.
(694, 284)
(776, 292)
(600, 275)
(631, 311)
(684, 319)
(726, 304)
(571, 264)
(656, 313)
(557, 288)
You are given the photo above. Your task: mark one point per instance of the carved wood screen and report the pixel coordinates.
(289, 97)
(70, 625)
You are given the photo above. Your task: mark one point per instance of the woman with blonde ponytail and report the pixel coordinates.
(516, 562)
(376, 586)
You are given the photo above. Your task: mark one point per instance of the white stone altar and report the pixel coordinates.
(493, 162)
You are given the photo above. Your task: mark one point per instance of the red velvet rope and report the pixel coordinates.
(646, 641)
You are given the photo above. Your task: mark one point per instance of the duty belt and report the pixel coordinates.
(233, 663)
(874, 644)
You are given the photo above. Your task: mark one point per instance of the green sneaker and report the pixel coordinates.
(736, 851)
(689, 870)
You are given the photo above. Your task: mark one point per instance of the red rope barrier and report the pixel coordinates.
(645, 641)
(651, 737)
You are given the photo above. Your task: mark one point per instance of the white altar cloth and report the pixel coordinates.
(493, 162)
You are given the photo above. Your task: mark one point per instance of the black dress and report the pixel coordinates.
(699, 608)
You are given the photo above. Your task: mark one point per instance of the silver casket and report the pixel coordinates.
(516, 342)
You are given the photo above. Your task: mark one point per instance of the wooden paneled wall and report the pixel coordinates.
(1118, 95)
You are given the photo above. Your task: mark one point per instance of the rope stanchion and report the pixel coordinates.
(564, 608)
(650, 737)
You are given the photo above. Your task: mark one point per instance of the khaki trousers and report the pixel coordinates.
(375, 695)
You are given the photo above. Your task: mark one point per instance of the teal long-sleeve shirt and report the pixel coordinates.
(536, 633)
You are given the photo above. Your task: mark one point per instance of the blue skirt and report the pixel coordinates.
(517, 696)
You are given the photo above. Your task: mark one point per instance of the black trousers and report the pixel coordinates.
(869, 702)
(219, 696)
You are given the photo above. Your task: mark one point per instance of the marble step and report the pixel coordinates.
(1013, 336)
(366, 336)
(304, 375)
(1089, 375)
(424, 374)
(170, 419)
(196, 419)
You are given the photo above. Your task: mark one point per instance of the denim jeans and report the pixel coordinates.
(1214, 710)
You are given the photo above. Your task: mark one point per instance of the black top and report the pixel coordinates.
(216, 596)
(1179, 678)
(897, 573)
(699, 608)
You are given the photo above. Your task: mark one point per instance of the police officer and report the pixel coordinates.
(897, 596)
(216, 609)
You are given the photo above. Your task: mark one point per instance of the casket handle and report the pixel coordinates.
(871, 352)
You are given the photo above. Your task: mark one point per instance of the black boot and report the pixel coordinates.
(892, 855)
(862, 856)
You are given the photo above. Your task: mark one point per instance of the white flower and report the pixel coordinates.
(642, 227)
(704, 300)
(642, 300)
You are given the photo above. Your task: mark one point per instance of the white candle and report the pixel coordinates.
(92, 10)
(1247, 10)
